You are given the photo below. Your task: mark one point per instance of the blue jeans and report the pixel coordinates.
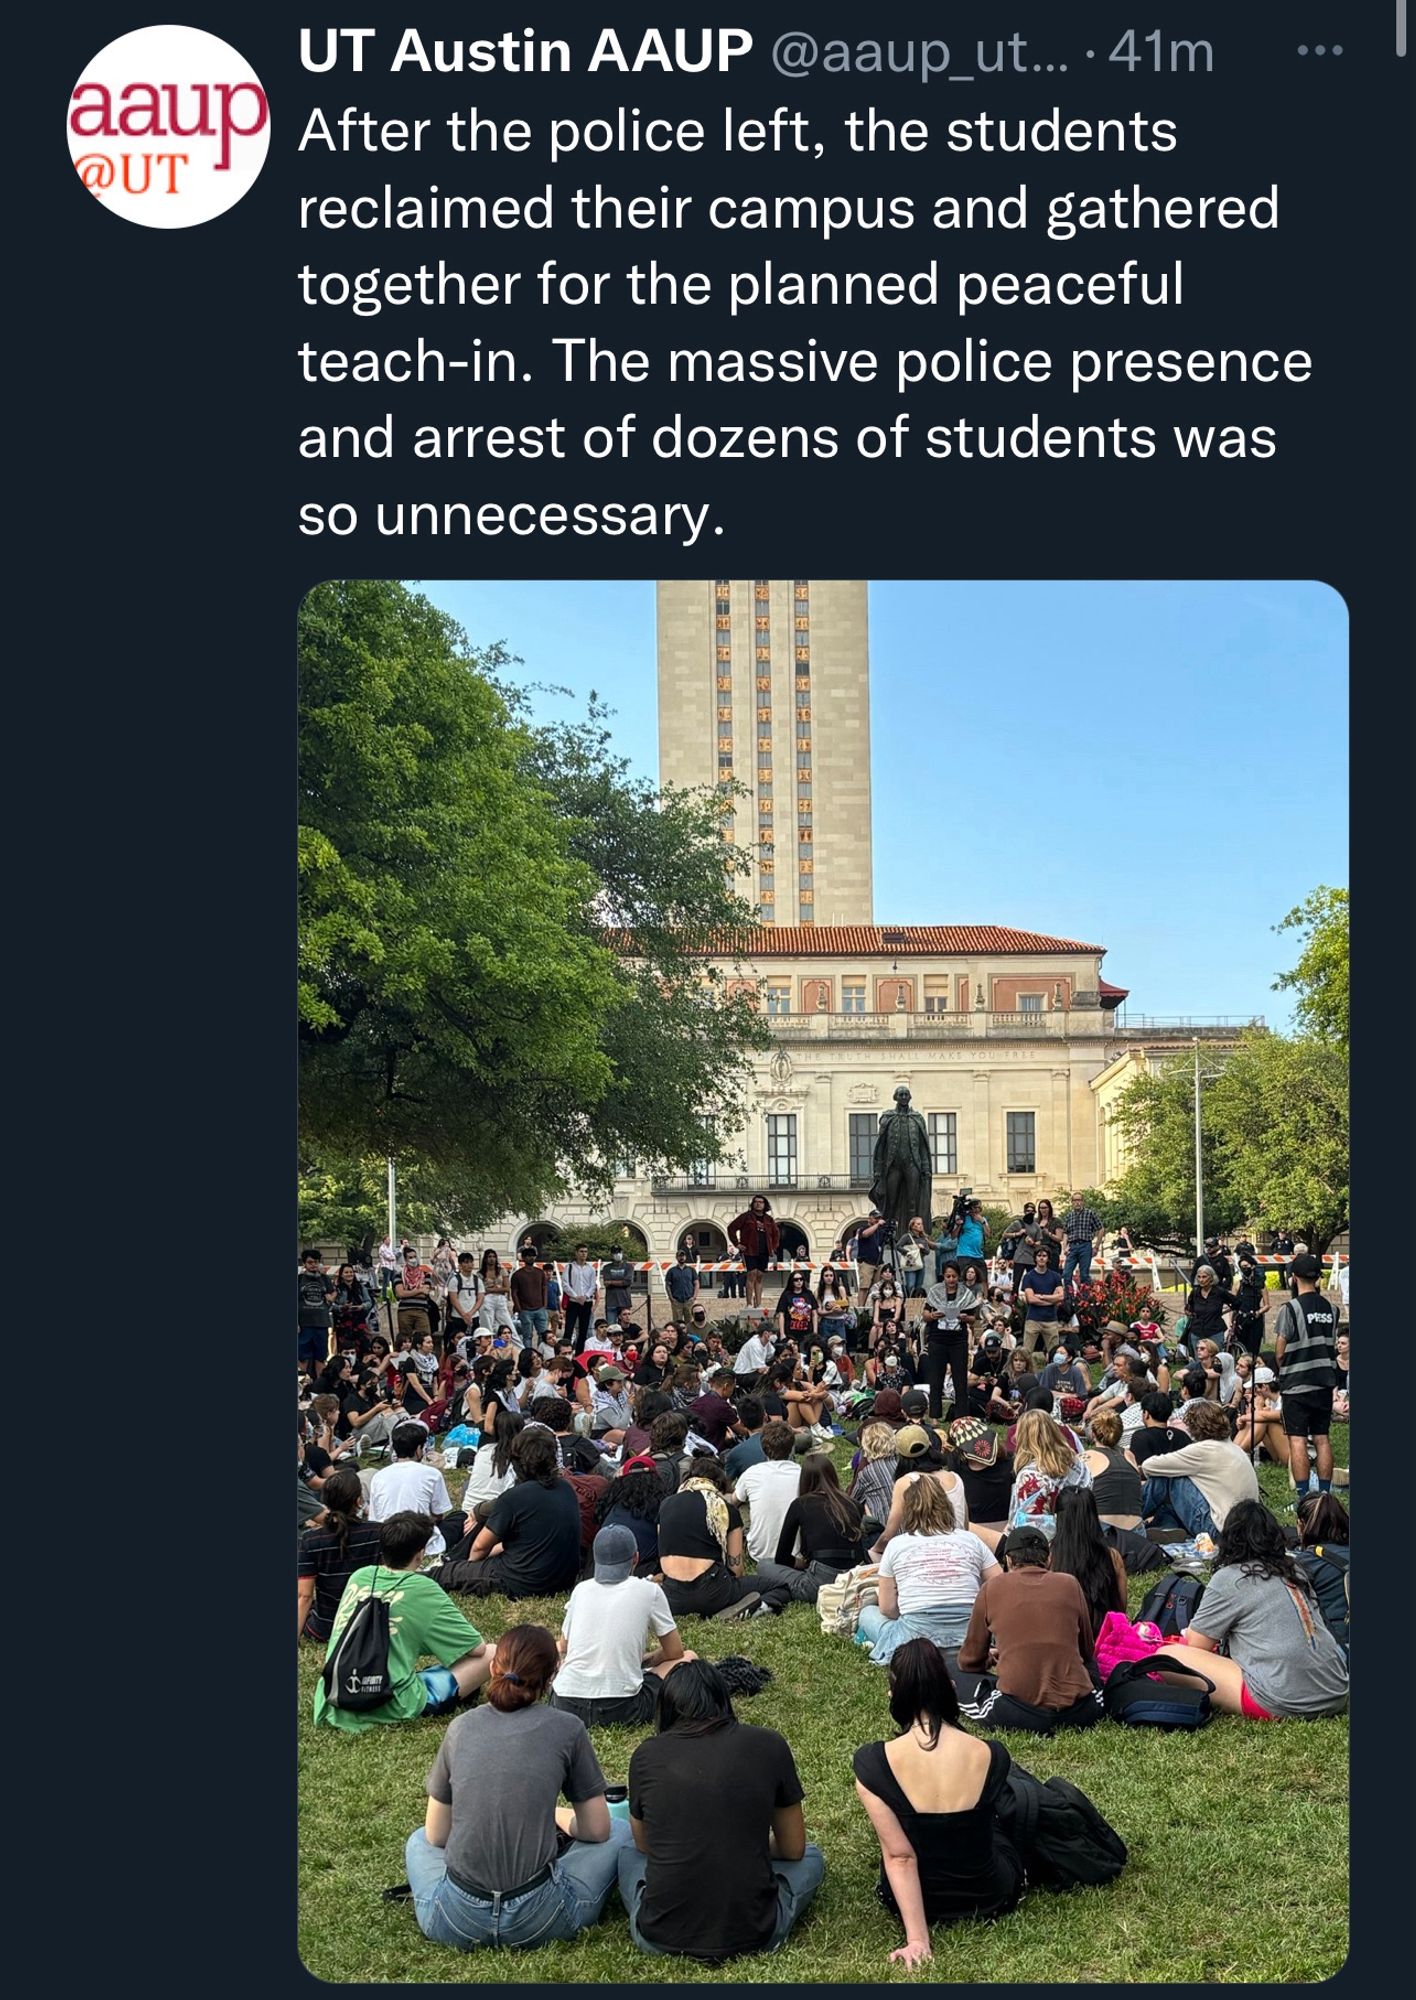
(533, 1325)
(574, 1896)
(946, 1626)
(1177, 1503)
(797, 1884)
(1078, 1258)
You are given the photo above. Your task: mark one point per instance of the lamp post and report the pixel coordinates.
(1207, 1076)
(392, 1203)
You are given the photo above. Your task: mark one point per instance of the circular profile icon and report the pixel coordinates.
(168, 126)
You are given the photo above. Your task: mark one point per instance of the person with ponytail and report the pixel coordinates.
(330, 1552)
(931, 1795)
(489, 1865)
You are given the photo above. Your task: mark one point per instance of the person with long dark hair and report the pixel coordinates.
(1080, 1550)
(950, 1313)
(487, 1866)
(492, 1468)
(353, 1303)
(820, 1534)
(633, 1501)
(931, 1795)
(720, 1865)
(1281, 1660)
(329, 1554)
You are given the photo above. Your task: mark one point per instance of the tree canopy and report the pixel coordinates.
(462, 1002)
(1320, 977)
(1274, 1140)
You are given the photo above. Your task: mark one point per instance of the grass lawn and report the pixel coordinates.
(1238, 1839)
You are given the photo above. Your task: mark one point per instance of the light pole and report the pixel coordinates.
(392, 1203)
(1208, 1077)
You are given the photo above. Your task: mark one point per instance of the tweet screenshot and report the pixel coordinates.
(810, 577)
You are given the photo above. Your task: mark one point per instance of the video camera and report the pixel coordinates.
(958, 1211)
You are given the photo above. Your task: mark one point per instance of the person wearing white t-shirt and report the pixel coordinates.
(605, 1675)
(769, 1488)
(407, 1486)
(929, 1577)
(753, 1356)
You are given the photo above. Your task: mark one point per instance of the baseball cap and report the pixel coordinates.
(1306, 1266)
(1263, 1375)
(609, 1374)
(975, 1443)
(914, 1402)
(912, 1441)
(614, 1550)
(1017, 1540)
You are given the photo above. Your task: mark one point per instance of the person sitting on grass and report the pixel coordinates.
(605, 1676)
(632, 1501)
(529, 1544)
(931, 1795)
(720, 1865)
(329, 1554)
(1258, 1412)
(1080, 1550)
(1194, 1488)
(408, 1486)
(1116, 1478)
(701, 1549)
(768, 1490)
(485, 1867)
(423, 1620)
(930, 1576)
(820, 1534)
(1280, 1660)
(920, 1454)
(1036, 1629)
(986, 1472)
(873, 1487)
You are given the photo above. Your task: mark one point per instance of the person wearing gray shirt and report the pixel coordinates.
(486, 1867)
(1279, 1658)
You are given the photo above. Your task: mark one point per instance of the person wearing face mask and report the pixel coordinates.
(1063, 1375)
(889, 1368)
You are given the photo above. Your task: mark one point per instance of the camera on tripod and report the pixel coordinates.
(958, 1211)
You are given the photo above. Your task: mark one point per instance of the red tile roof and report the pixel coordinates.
(887, 941)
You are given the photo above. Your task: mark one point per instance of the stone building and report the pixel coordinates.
(1000, 1035)
(767, 684)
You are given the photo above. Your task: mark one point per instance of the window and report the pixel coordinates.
(779, 999)
(804, 792)
(626, 1169)
(725, 761)
(803, 758)
(781, 1149)
(936, 1003)
(852, 996)
(944, 1142)
(702, 1174)
(1022, 1142)
(1029, 1003)
(864, 1128)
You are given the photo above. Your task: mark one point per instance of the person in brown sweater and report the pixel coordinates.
(1042, 1651)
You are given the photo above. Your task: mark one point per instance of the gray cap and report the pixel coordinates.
(614, 1551)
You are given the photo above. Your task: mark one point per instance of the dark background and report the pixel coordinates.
(154, 392)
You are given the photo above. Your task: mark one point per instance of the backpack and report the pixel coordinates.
(1137, 1551)
(1062, 1838)
(1131, 1696)
(839, 1602)
(1326, 1570)
(357, 1675)
(1171, 1604)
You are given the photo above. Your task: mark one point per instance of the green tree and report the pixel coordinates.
(1320, 976)
(1155, 1198)
(464, 1003)
(1281, 1110)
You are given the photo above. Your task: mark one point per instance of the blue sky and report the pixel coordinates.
(1157, 767)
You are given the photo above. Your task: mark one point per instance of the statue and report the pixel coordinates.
(904, 1170)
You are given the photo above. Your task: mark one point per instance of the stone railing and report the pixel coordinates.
(1060, 1024)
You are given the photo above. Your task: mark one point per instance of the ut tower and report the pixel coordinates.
(767, 683)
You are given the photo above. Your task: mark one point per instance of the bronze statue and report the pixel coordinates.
(904, 1170)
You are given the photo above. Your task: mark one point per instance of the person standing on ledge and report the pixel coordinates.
(756, 1234)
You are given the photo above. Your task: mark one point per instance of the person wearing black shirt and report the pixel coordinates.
(720, 1864)
(986, 1470)
(1206, 1307)
(314, 1292)
(1251, 1303)
(828, 1525)
(1155, 1433)
(536, 1523)
(1218, 1262)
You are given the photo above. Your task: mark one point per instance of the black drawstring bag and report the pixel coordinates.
(357, 1674)
(1130, 1696)
(742, 1676)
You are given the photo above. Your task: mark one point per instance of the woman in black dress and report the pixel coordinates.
(931, 1794)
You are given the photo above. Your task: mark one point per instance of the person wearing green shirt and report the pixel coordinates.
(422, 1620)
